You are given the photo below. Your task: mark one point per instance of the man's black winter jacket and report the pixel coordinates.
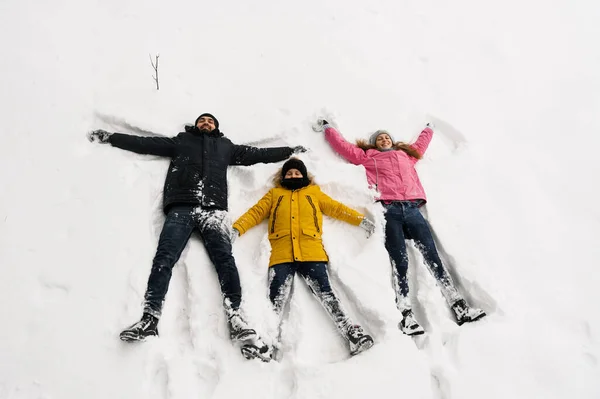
(198, 171)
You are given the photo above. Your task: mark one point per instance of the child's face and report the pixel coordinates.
(293, 174)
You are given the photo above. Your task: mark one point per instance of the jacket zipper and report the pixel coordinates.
(275, 214)
(376, 174)
(310, 201)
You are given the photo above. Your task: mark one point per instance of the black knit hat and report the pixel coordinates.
(210, 116)
(294, 163)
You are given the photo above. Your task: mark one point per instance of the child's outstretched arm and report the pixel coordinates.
(337, 210)
(259, 212)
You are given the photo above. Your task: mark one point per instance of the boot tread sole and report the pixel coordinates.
(132, 337)
(244, 335)
(470, 320)
(250, 351)
(364, 343)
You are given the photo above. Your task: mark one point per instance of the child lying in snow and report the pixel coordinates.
(295, 209)
(390, 167)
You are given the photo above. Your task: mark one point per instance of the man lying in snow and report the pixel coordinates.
(295, 209)
(194, 198)
(390, 168)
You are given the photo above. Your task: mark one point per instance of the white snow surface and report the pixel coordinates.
(511, 177)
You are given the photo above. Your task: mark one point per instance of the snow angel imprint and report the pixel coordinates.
(194, 199)
(295, 209)
(390, 168)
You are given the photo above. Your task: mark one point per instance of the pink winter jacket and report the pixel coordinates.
(392, 173)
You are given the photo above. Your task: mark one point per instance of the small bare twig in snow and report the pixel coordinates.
(155, 66)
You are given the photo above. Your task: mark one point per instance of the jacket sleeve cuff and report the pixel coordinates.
(239, 228)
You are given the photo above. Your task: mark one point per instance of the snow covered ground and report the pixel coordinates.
(511, 177)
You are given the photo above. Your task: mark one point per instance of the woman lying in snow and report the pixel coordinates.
(295, 209)
(390, 168)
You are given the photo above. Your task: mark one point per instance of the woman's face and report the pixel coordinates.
(293, 174)
(383, 142)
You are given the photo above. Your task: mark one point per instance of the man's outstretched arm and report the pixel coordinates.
(246, 155)
(162, 146)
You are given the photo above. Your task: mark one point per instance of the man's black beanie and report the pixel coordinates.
(294, 163)
(210, 116)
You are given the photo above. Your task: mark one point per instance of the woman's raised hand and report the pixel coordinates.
(319, 125)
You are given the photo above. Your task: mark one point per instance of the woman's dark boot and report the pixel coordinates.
(466, 314)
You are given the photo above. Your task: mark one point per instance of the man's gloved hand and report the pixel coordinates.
(298, 149)
(99, 136)
(319, 125)
(368, 225)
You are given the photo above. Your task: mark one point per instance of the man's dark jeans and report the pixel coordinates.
(214, 230)
(404, 221)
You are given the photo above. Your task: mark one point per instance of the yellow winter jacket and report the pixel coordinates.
(295, 222)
